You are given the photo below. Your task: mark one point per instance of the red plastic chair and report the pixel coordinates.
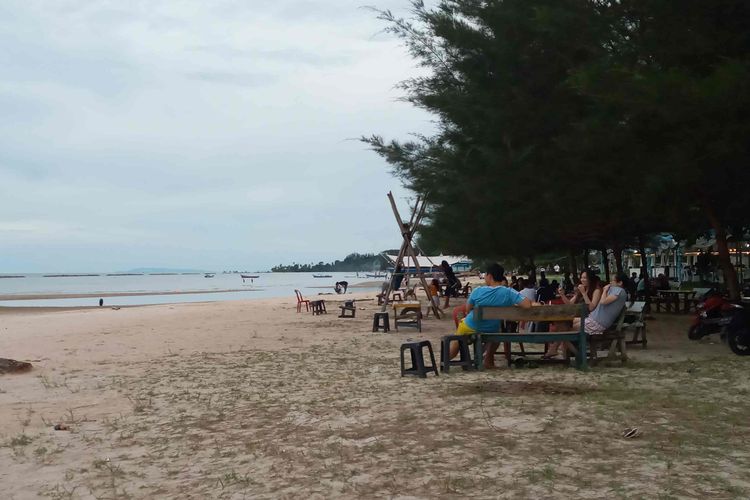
(301, 301)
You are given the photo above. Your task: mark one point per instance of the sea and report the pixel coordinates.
(55, 290)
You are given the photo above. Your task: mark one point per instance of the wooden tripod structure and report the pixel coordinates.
(408, 229)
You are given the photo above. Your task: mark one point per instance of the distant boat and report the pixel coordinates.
(322, 276)
(68, 275)
(376, 275)
(249, 276)
(208, 275)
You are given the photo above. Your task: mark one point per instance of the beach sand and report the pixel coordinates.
(253, 400)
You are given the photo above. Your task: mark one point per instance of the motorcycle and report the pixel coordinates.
(712, 316)
(717, 315)
(738, 331)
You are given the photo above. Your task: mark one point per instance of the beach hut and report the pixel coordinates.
(430, 263)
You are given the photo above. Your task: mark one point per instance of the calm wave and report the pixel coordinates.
(192, 287)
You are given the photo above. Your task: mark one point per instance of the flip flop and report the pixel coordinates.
(631, 432)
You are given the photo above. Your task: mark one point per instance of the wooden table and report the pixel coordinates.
(672, 299)
(407, 314)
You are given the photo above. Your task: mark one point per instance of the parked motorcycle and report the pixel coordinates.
(712, 316)
(738, 331)
(717, 315)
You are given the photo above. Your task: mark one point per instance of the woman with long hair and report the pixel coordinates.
(588, 291)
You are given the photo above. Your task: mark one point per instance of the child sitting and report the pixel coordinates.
(435, 292)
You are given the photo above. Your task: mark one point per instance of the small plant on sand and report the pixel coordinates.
(113, 473)
(47, 382)
(141, 403)
(231, 478)
(61, 492)
(22, 439)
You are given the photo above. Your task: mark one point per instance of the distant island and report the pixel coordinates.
(351, 263)
(161, 270)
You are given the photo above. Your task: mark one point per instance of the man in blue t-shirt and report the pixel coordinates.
(494, 294)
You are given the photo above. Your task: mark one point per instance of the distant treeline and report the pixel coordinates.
(352, 262)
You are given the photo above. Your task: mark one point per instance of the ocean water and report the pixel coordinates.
(193, 288)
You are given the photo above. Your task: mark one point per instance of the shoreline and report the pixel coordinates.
(53, 296)
(360, 296)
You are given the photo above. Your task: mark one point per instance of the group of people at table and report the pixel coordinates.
(604, 302)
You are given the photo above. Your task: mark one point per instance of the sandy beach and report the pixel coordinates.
(253, 400)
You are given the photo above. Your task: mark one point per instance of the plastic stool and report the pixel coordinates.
(347, 312)
(376, 322)
(464, 360)
(417, 359)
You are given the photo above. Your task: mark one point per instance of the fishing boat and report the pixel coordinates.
(209, 275)
(322, 276)
(249, 276)
(376, 275)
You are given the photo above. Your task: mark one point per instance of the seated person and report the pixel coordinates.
(397, 278)
(640, 287)
(662, 282)
(614, 297)
(589, 292)
(494, 294)
(546, 293)
(529, 289)
(453, 286)
(568, 284)
(411, 293)
(543, 281)
(434, 290)
(341, 286)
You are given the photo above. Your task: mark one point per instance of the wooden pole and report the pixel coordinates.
(407, 233)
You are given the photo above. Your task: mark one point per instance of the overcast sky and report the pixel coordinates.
(196, 134)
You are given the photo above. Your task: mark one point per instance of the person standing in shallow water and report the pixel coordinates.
(101, 302)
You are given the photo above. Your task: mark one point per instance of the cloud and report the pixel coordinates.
(242, 79)
(192, 131)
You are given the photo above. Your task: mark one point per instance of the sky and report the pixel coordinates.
(191, 134)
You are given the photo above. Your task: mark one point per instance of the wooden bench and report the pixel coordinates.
(556, 313)
(638, 323)
(611, 340)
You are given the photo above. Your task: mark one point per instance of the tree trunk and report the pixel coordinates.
(573, 266)
(725, 262)
(585, 258)
(532, 270)
(617, 252)
(644, 271)
(605, 263)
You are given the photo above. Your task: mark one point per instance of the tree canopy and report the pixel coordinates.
(571, 124)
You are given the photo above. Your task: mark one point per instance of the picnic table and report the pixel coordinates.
(671, 299)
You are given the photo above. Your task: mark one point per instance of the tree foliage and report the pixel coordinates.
(571, 124)
(352, 262)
